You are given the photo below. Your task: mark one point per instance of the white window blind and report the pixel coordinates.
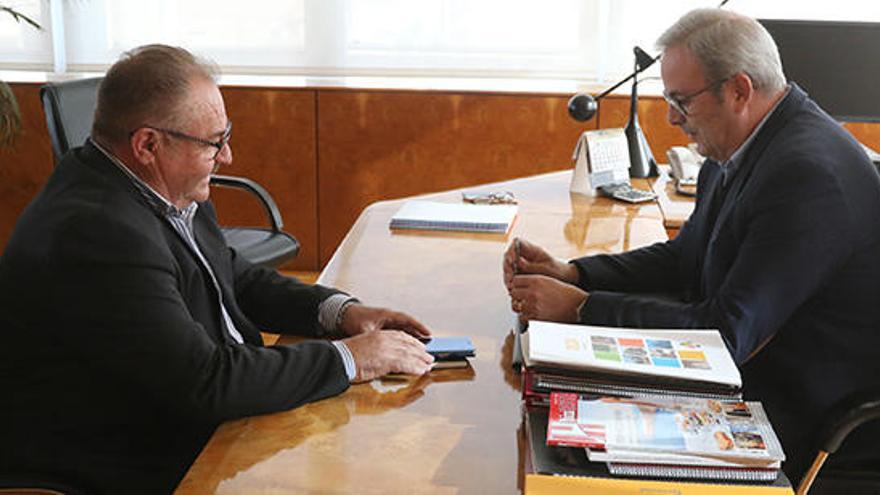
(21, 45)
(579, 39)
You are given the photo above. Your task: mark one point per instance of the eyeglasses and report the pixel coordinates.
(491, 198)
(681, 103)
(219, 144)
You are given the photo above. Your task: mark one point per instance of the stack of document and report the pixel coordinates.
(550, 469)
(669, 437)
(646, 404)
(431, 215)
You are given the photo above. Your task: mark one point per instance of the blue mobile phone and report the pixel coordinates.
(450, 348)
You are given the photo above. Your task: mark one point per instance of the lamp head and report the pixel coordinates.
(643, 60)
(582, 107)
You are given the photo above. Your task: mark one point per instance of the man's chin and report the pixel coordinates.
(201, 195)
(701, 148)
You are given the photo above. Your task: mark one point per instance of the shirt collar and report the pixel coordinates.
(730, 166)
(155, 200)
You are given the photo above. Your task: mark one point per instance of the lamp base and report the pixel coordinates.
(642, 163)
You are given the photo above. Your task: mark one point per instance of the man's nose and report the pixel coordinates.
(674, 116)
(225, 155)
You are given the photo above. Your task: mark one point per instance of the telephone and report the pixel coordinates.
(685, 164)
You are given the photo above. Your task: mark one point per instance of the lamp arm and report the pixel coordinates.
(608, 91)
(643, 62)
(583, 106)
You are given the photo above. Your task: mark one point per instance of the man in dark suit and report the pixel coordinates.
(129, 329)
(781, 254)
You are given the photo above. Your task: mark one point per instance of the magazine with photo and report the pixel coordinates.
(719, 433)
(569, 470)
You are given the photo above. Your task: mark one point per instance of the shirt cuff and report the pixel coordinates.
(580, 309)
(330, 312)
(347, 359)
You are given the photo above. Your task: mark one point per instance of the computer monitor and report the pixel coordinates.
(837, 63)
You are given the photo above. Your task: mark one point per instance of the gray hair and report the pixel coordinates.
(726, 43)
(148, 85)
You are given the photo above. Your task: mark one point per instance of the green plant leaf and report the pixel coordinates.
(19, 17)
(10, 116)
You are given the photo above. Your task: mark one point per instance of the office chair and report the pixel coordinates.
(844, 417)
(36, 485)
(70, 108)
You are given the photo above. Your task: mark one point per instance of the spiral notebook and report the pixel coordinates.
(432, 215)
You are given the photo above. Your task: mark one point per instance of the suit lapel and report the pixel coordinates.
(790, 104)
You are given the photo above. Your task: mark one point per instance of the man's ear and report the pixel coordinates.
(743, 90)
(144, 144)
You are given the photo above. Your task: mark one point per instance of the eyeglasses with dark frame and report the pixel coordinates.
(680, 103)
(219, 144)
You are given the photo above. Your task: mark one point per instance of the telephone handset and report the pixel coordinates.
(685, 164)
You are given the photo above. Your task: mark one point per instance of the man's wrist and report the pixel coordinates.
(347, 359)
(330, 313)
(340, 315)
(569, 272)
(579, 309)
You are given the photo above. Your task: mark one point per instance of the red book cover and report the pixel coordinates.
(563, 428)
(529, 395)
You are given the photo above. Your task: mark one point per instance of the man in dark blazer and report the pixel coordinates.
(781, 254)
(129, 329)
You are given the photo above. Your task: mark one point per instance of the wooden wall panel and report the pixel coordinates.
(325, 154)
(273, 143)
(375, 145)
(25, 166)
(868, 133)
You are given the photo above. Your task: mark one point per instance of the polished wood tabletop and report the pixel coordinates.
(675, 207)
(448, 432)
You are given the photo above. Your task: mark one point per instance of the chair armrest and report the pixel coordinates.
(256, 189)
(848, 414)
(845, 416)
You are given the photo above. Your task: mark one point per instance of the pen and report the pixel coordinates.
(521, 325)
(516, 250)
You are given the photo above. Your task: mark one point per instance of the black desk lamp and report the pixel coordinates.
(582, 107)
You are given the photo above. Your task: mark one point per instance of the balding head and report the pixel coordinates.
(148, 85)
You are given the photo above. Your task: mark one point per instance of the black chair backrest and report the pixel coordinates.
(70, 111)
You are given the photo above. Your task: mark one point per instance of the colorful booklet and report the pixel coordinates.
(628, 362)
(432, 215)
(668, 436)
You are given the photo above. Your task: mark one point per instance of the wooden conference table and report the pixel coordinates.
(452, 431)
